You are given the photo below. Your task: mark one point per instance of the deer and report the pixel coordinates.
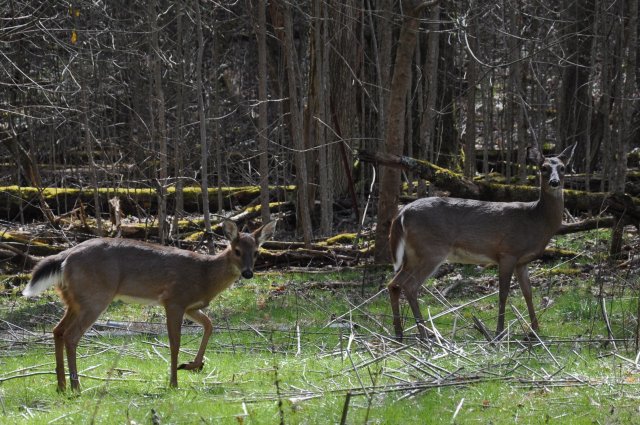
(90, 275)
(429, 231)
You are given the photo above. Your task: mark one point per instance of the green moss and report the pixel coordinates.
(565, 271)
(343, 238)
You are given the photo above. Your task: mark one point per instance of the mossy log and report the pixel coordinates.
(15, 200)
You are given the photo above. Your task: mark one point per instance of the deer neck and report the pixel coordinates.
(222, 272)
(550, 207)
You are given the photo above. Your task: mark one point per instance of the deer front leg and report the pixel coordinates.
(505, 271)
(174, 327)
(522, 274)
(201, 318)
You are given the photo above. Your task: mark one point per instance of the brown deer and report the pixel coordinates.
(430, 231)
(93, 273)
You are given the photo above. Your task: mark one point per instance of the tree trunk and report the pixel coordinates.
(160, 128)
(204, 143)
(625, 128)
(427, 123)
(320, 120)
(178, 158)
(470, 136)
(297, 136)
(261, 33)
(395, 127)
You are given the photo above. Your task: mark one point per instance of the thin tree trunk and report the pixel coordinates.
(395, 127)
(261, 33)
(626, 85)
(204, 143)
(92, 164)
(427, 123)
(178, 158)
(296, 129)
(160, 129)
(470, 139)
(320, 120)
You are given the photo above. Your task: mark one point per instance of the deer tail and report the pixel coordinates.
(397, 241)
(47, 272)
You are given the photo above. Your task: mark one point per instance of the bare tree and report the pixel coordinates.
(204, 142)
(159, 125)
(296, 127)
(395, 124)
(261, 34)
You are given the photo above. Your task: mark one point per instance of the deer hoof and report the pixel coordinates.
(196, 366)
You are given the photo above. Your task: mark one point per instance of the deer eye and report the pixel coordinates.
(545, 168)
(561, 168)
(237, 252)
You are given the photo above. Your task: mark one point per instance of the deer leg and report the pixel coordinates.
(199, 317)
(72, 334)
(505, 271)
(174, 327)
(58, 334)
(411, 287)
(394, 289)
(522, 273)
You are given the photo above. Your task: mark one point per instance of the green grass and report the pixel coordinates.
(287, 347)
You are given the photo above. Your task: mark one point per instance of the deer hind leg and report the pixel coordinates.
(174, 328)
(58, 339)
(394, 288)
(73, 331)
(505, 271)
(409, 280)
(522, 273)
(201, 318)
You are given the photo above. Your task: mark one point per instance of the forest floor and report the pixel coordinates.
(315, 346)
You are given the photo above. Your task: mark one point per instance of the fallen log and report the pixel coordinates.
(587, 224)
(458, 186)
(15, 200)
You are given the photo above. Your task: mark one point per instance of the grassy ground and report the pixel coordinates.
(312, 347)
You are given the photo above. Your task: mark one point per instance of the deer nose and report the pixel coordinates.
(554, 183)
(247, 274)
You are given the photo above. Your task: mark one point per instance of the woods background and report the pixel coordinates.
(167, 95)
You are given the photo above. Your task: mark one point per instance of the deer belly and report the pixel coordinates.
(463, 256)
(137, 300)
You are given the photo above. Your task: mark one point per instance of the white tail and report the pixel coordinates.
(91, 274)
(430, 231)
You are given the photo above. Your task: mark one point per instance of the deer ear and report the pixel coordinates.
(534, 156)
(567, 155)
(230, 230)
(265, 232)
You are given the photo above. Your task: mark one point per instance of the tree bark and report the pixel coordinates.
(395, 127)
(297, 136)
(204, 143)
(158, 110)
(178, 158)
(261, 33)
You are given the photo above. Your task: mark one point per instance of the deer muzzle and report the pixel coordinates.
(247, 274)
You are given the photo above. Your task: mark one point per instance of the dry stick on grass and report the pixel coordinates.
(532, 332)
(367, 301)
(345, 408)
(605, 316)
